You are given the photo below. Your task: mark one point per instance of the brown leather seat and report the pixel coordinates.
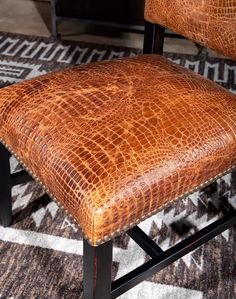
(115, 141)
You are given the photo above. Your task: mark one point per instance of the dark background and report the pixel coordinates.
(119, 11)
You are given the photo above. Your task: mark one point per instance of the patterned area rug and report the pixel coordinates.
(41, 254)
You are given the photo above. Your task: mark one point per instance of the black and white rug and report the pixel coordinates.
(41, 254)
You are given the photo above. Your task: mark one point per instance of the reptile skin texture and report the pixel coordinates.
(209, 22)
(114, 141)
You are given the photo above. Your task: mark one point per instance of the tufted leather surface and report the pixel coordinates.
(209, 22)
(115, 141)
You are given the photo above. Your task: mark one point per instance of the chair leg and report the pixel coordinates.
(97, 271)
(153, 39)
(5, 188)
(54, 31)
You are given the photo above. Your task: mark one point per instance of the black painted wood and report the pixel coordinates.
(97, 271)
(171, 255)
(20, 177)
(153, 39)
(54, 21)
(5, 188)
(143, 240)
(98, 260)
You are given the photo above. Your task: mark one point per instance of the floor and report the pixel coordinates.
(32, 17)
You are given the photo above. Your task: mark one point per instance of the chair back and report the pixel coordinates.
(211, 23)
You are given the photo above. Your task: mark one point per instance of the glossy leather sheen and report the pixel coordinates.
(209, 22)
(114, 141)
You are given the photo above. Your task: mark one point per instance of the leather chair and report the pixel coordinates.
(114, 142)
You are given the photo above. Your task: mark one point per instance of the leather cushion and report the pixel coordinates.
(115, 141)
(209, 22)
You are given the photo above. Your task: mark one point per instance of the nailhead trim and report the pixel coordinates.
(126, 227)
(136, 222)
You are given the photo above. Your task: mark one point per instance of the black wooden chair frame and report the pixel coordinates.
(56, 19)
(98, 260)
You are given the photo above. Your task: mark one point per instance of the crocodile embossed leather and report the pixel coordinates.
(209, 22)
(115, 141)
